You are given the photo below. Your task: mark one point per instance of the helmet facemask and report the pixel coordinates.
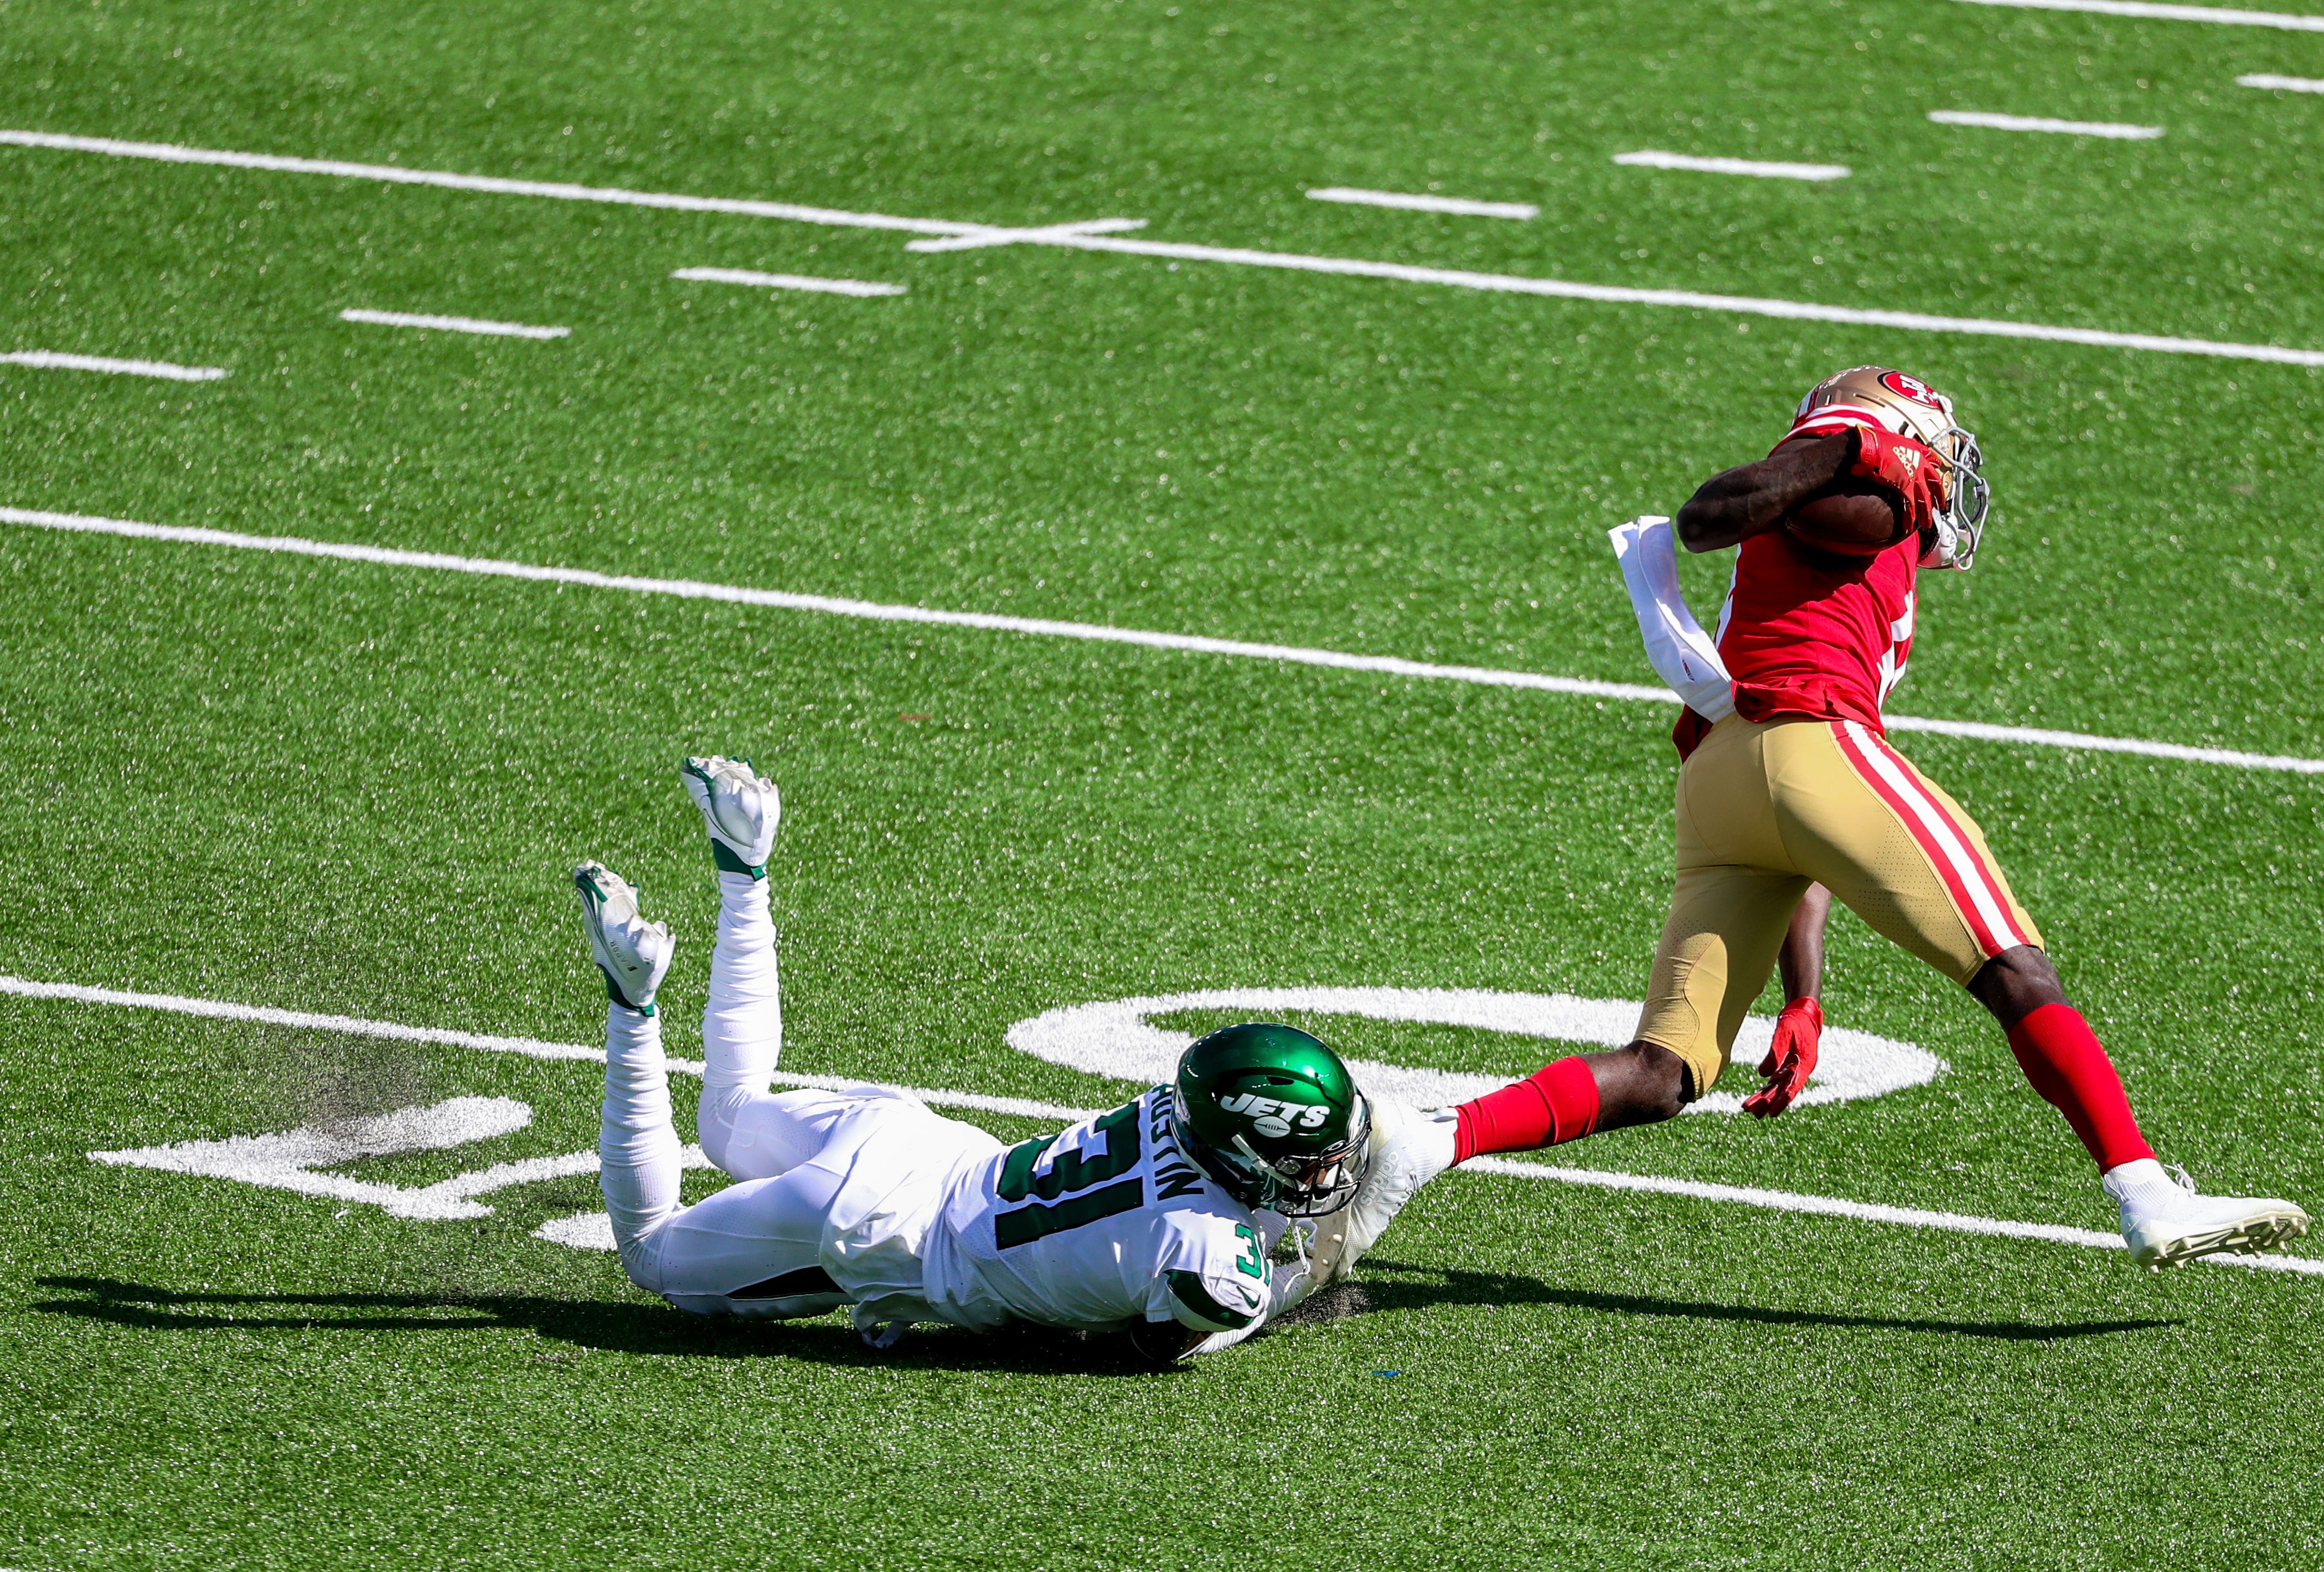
(1310, 1186)
(1960, 520)
(1906, 406)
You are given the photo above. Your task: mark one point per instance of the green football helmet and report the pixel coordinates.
(1272, 1115)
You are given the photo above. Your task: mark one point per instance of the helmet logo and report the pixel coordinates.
(1271, 1116)
(1911, 387)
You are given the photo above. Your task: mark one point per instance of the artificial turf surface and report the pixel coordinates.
(355, 788)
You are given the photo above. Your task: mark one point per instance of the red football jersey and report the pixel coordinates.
(1810, 633)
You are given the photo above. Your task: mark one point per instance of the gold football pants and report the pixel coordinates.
(1764, 810)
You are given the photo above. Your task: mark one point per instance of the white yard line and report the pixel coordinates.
(2140, 8)
(1194, 644)
(1035, 236)
(490, 185)
(860, 288)
(2281, 84)
(546, 1167)
(2107, 128)
(453, 324)
(1425, 204)
(1074, 237)
(1654, 158)
(50, 360)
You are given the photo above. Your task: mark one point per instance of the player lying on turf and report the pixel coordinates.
(1160, 1218)
(1792, 784)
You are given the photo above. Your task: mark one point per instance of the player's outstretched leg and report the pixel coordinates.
(637, 1145)
(2164, 1222)
(1562, 1101)
(744, 1130)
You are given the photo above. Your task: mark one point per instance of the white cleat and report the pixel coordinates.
(2169, 1225)
(740, 808)
(1410, 1146)
(631, 952)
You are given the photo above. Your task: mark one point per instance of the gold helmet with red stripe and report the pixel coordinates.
(1905, 406)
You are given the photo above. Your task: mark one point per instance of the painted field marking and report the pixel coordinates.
(1419, 203)
(428, 1120)
(452, 324)
(1654, 158)
(860, 288)
(1193, 643)
(2281, 84)
(1041, 235)
(50, 360)
(2152, 12)
(1068, 236)
(1117, 1039)
(2107, 128)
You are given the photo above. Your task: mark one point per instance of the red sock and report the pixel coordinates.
(2062, 1056)
(1558, 1101)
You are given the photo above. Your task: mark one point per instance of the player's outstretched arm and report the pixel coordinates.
(1738, 503)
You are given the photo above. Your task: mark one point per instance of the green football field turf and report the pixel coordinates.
(357, 790)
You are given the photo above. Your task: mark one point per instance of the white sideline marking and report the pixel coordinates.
(875, 611)
(2281, 84)
(1424, 204)
(2111, 128)
(452, 324)
(50, 360)
(2170, 12)
(860, 288)
(1654, 158)
(421, 1124)
(1067, 236)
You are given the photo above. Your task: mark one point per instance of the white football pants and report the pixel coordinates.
(730, 1252)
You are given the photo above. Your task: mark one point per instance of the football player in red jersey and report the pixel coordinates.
(1797, 793)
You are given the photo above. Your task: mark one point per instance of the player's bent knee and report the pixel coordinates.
(1643, 1083)
(2015, 983)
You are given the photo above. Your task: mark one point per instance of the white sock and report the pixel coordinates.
(637, 1145)
(742, 1023)
(2142, 1187)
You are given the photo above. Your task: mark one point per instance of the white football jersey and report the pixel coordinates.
(1100, 1226)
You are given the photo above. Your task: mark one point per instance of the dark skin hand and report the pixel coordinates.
(1738, 503)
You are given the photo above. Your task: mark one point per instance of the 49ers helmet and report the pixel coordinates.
(1908, 407)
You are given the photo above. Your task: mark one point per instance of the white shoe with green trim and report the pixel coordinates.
(740, 807)
(631, 952)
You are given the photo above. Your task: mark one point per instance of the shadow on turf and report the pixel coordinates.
(590, 1324)
(1456, 1287)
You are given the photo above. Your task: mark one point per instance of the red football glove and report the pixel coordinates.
(1791, 1059)
(1914, 472)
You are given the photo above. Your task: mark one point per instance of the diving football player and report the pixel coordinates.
(1799, 787)
(1160, 1218)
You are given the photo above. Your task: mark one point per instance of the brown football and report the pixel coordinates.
(1854, 516)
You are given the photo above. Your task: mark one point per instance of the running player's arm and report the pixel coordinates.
(1738, 503)
(1799, 1029)
(1801, 960)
